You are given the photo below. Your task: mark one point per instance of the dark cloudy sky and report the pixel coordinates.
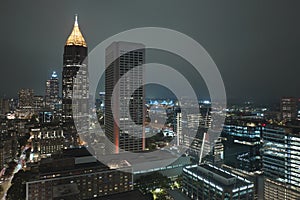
(255, 43)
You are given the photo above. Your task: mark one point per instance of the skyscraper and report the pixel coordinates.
(281, 161)
(52, 91)
(74, 80)
(122, 57)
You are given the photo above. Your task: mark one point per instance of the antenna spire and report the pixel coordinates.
(76, 20)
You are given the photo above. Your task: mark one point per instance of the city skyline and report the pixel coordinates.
(93, 128)
(257, 41)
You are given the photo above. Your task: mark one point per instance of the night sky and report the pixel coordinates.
(255, 44)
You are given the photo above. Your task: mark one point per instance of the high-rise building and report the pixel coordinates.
(243, 142)
(26, 99)
(192, 128)
(281, 161)
(206, 181)
(122, 57)
(52, 91)
(288, 109)
(74, 83)
(178, 128)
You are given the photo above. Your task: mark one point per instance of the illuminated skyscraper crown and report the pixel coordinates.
(76, 37)
(54, 74)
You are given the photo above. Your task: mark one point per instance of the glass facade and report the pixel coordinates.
(281, 161)
(122, 76)
(210, 182)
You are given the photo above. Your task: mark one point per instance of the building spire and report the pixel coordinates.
(76, 20)
(76, 37)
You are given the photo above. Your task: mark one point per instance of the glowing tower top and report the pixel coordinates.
(76, 38)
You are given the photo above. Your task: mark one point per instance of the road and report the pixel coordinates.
(7, 183)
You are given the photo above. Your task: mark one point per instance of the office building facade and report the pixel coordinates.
(242, 143)
(122, 57)
(74, 174)
(281, 161)
(206, 181)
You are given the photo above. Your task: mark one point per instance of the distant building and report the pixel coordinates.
(5, 152)
(52, 91)
(46, 141)
(288, 109)
(120, 58)
(178, 128)
(100, 102)
(281, 161)
(196, 137)
(38, 102)
(13, 103)
(26, 98)
(7, 143)
(191, 130)
(204, 181)
(46, 116)
(4, 106)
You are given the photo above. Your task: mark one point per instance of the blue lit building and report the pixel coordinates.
(243, 143)
(281, 162)
(210, 182)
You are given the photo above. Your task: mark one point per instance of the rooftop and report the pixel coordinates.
(70, 160)
(217, 176)
(135, 194)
